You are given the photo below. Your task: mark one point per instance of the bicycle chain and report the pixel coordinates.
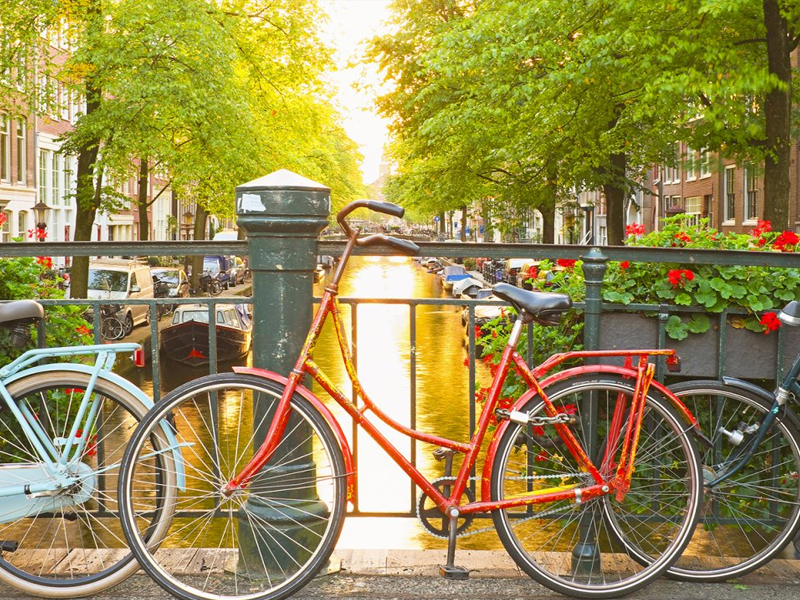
(465, 534)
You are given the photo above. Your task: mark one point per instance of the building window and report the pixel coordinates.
(22, 153)
(694, 210)
(750, 193)
(691, 165)
(22, 224)
(5, 148)
(729, 192)
(55, 177)
(705, 163)
(44, 188)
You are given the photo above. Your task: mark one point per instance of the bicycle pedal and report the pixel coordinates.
(455, 573)
(8, 546)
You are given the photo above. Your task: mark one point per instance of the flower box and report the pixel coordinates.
(749, 355)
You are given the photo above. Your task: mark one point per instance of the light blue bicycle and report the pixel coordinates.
(63, 430)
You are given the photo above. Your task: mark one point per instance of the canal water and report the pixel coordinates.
(384, 353)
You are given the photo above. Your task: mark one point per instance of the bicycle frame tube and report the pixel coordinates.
(329, 306)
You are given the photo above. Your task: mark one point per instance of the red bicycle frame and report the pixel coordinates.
(604, 480)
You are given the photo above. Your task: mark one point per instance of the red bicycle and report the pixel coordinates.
(592, 478)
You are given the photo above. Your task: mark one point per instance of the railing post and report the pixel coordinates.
(282, 214)
(586, 553)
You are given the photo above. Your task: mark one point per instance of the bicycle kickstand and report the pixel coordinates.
(450, 570)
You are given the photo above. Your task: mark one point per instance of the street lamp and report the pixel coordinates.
(40, 210)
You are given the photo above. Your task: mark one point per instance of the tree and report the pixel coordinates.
(215, 94)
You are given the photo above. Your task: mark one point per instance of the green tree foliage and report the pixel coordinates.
(213, 94)
(539, 99)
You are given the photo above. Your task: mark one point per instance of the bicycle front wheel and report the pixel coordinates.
(750, 517)
(69, 543)
(582, 548)
(264, 541)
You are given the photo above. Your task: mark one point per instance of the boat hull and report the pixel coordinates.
(188, 343)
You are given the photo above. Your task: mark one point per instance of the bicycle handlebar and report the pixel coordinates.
(405, 246)
(386, 208)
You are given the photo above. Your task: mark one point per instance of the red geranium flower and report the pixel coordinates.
(45, 261)
(567, 263)
(682, 237)
(634, 229)
(770, 322)
(679, 277)
(786, 241)
(84, 330)
(2, 218)
(624, 264)
(761, 227)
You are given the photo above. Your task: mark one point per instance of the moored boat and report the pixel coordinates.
(186, 339)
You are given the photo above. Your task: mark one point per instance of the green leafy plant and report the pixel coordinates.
(546, 340)
(753, 290)
(26, 278)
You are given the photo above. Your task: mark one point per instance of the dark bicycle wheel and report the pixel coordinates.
(264, 541)
(112, 328)
(749, 518)
(573, 546)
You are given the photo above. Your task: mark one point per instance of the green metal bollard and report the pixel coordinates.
(586, 553)
(282, 214)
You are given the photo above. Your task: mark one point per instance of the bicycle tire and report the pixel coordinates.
(245, 542)
(214, 288)
(112, 329)
(551, 542)
(762, 501)
(75, 549)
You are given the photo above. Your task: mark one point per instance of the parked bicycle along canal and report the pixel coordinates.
(384, 365)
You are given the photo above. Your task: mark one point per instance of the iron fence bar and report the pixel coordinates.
(412, 375)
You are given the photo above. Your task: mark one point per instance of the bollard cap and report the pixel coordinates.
(283, 194)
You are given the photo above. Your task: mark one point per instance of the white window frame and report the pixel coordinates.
(750, 217)
(728, 211)
(705, 163)
(22, 152)
(5, 148)
(691, 165)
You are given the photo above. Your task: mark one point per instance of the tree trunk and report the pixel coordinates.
(200, 217)
(442, 228)
(487, 222)
(464, 223)
(615, 192)
(777, 112)
(89, 184)
(141, 200)
(548, 208)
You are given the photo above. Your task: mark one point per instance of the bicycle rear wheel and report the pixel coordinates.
(71, 544)
(576, 548)
(748, 519)
(266, 540)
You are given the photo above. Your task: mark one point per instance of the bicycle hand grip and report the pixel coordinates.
(405, 246)
(386, 208)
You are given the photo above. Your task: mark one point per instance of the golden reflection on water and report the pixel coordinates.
(384, 368)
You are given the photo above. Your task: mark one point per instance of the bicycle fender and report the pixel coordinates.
(326, 414)
(137, 393)
(764, 394)
(491, 451)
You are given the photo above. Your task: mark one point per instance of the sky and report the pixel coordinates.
(352, 22)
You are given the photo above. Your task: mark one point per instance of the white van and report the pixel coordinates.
(118, 279)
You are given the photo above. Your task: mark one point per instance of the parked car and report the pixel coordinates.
(175, 279)
(117, 279)
(238, 271)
